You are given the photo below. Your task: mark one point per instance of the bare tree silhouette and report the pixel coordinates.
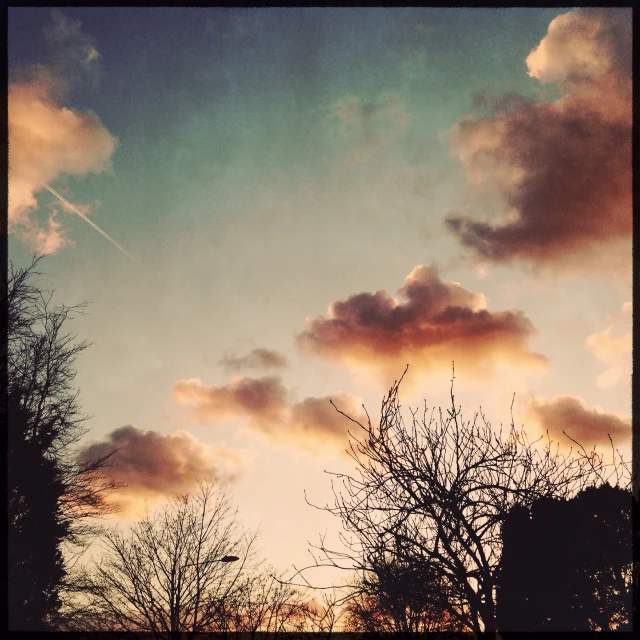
(435, 492)
(168, 574)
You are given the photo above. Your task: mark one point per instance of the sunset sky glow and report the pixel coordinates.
(315, 198)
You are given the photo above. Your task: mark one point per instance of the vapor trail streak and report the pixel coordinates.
(93, 224)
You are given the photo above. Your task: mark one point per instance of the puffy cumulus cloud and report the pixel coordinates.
(152, 464)
(48, 140)
(586, 426)
(614, 350)
(266, 406)
(255, 359)
(584, 47)
(562, 167)
(438, 322)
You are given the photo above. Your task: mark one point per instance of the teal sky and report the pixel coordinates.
(261, 164)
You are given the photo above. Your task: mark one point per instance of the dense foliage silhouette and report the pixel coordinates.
(396, 597)
(35, 568)
(49, 495)
(566, 564)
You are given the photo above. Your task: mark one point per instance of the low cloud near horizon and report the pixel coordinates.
(436, 323)
(562, 167)
(153, 464)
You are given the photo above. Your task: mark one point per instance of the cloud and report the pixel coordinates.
(587, 426)
(262, 398)
(266, 406)
(584, 47)
(71, 52)
(255, 359)
(152, 464)
(614, 350)
(49, 239)
(48, 140)
(562, 167)
(370, 126)
(315, 421)
(438, 322)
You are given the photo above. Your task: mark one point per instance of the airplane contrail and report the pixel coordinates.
(93, 224)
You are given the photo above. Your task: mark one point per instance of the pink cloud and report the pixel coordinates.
(265, 406)
(261, 398)
(153, 464)
(48, 140)
(613, 347)
(586, 426)
(436, 323)
(562, 167)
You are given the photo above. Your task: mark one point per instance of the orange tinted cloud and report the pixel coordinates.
(315, 420)
(255, 359)
(265, 405)
(48, 140)
(562, 167)
(587, 426)
(614, 350)
(151, 464)
(438, 322)
(263, 398)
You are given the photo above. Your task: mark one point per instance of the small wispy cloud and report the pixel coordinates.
(72, 53)
(259, 358)
(613, 346)
(370, 126)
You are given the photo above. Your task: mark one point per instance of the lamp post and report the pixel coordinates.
(223, 559)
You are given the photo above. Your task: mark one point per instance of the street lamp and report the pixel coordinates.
(223, 559)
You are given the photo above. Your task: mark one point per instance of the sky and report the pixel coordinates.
(271, 209)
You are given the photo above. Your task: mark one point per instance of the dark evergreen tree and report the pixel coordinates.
(36, 568)
(566, 564)
(50, 494)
